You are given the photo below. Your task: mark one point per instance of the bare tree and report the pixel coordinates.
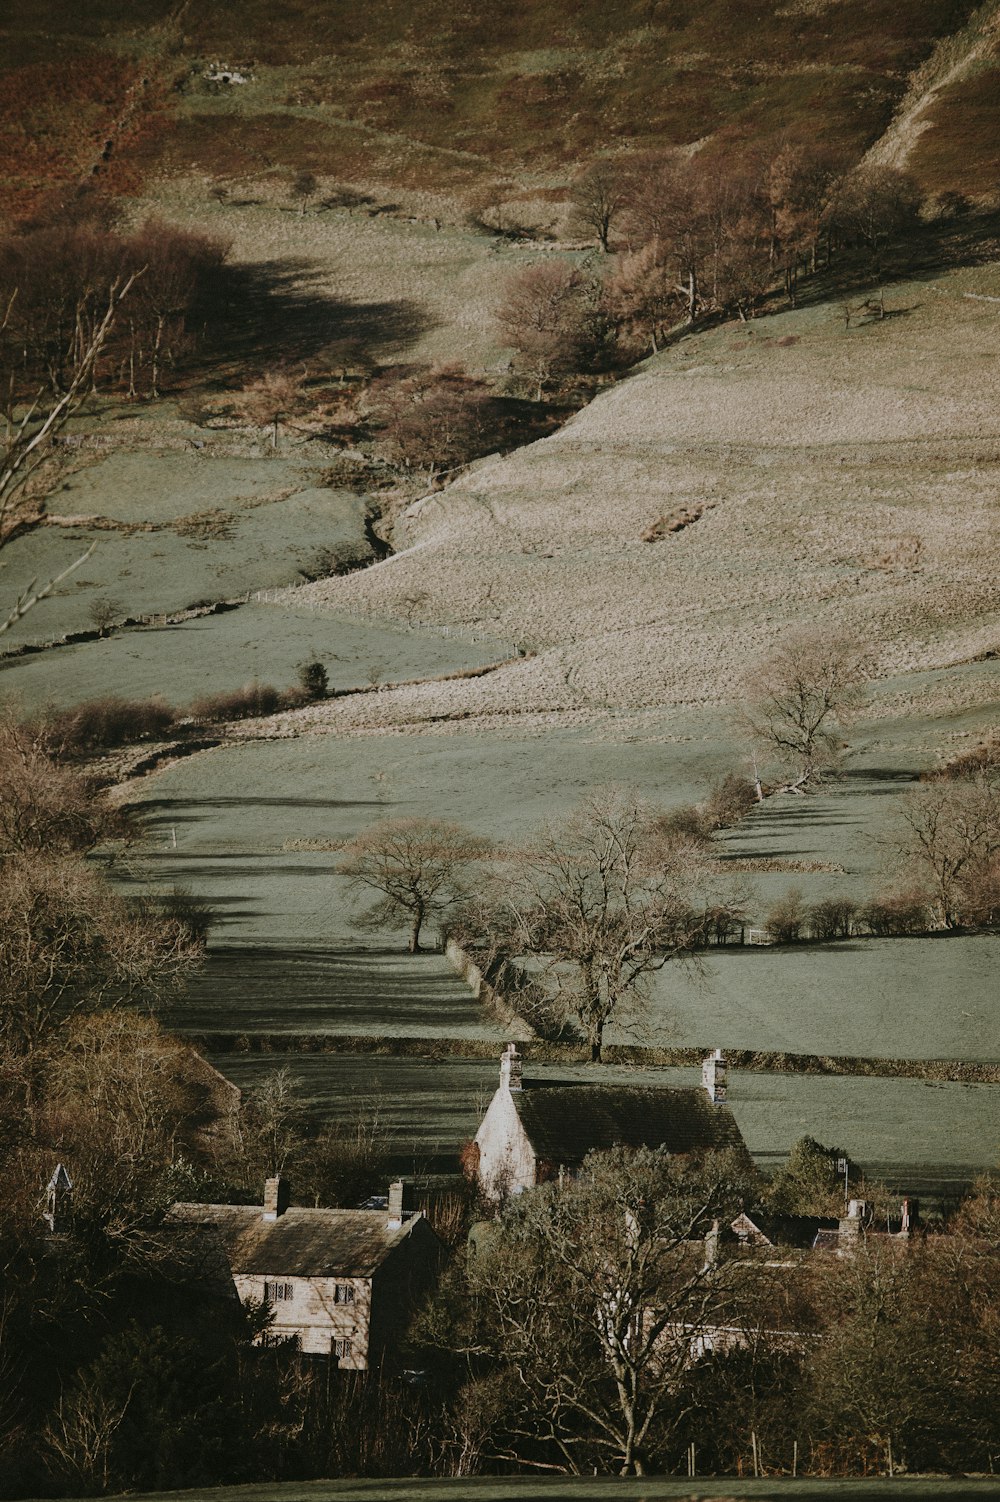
(28, 459)
(549, 315)
(271, 399)
(801, 699)
(598, 197)
(419, 866)
(602, 901)
(46, 807)
(304, 189)
(591, 1299)
(950, 839)
(68, 942)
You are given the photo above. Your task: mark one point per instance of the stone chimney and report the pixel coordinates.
(510, 1068)
(909, 1216)
(852, 1224)
(713, 1077)
(59, 1202)
(275, 1197)
(711, 1247)
(398, 1202)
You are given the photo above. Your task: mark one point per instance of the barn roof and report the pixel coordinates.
(563, 1123)
(301, 1243)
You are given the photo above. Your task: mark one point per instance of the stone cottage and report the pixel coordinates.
(340, 1282)
(533, 1132)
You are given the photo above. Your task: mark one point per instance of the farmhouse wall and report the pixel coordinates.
(315, 1316)
(507, 1161)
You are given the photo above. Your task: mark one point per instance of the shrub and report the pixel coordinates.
(686, 825)
(894, 914)
(729, 801)
(787, 917)
(244, 703)
(313, 680)
(833, 918)
(100, 724)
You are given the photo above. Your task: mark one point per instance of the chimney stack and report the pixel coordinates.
(713, 1077)
(59, 1202)
(909, 1216)
(275, 1197)
(396, 1203)
(510, 1068)
(852, 1224)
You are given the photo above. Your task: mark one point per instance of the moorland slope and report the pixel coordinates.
(842, 478)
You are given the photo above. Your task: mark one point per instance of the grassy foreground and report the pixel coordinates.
(648, 1489)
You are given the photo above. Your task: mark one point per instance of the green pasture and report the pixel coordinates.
(605, 1488)
(914, 998)
(210, 653)
(919, 1137)
(323, 988)
(224, 526)
(230, 824)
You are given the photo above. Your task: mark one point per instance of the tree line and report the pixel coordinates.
(55, 280)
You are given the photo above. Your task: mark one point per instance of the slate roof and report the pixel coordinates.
(565, 1122)
(301, 1243)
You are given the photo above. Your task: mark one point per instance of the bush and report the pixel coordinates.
(787, 917)
(686, 825)
(730, 800)
(100, 724)
(244, 703)
(833, 918)
(313, 680)
(895, 914)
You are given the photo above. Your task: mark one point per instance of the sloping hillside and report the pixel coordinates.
(814, 474)
(436, 95)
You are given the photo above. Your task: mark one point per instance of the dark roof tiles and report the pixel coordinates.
(564, 1123)
(301, 1243)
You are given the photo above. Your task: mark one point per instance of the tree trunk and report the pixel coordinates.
(596, 1039)
(415, 927)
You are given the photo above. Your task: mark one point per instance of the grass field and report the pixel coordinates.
(223, 524)
(601, 1489)
(925, 1138)
(263, 641)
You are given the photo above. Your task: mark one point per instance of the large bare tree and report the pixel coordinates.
(419, 868)
(602, 901)
(29, 461)
(949, 837)
(598, 197)
(592, 1297)
(800, 701)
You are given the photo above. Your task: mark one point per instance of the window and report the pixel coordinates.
(341, 1347)
(274, 1292)
(343, 1293)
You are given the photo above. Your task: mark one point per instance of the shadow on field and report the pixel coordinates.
(298, 988)
(170, 805)
(892, 776)
(272, 313)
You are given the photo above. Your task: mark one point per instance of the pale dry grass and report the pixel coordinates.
(849, 480)
(451, 274)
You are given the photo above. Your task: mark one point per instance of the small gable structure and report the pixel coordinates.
(533, 1132)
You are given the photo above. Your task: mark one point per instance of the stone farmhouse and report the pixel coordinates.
(340, 1282)
(536, 1132)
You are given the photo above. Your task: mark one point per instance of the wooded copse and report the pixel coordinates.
(694, 237)
(55, 282)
